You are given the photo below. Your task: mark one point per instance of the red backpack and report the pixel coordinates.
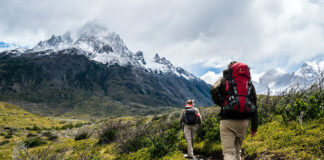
(238, 89)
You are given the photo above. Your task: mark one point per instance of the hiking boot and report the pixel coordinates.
(191, 157)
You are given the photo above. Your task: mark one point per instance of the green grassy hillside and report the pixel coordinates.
(14, 117)
(291, 127)
(19, 127)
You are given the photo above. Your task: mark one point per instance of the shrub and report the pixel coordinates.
(6, 128)
(209, 130)
(78, 125)
(108, 135)
(164, 138)
(34, 142)
(82, 134)
(53, 138)
(108, 132)
(8, 136)
(67, 126)
(133, 139)
(4, 142)
(306, 107)
(34, 128)
(31, 135)
(47, 134)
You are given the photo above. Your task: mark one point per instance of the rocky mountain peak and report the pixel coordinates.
(55, 42)
(162, 60)
(99, 44)
(277, 80)
(140, 57)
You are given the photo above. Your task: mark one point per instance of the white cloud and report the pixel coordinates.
(261, 33)
(211, 77)
(256, 76)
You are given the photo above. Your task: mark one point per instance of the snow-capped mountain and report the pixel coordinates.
(71, 70)
(277, 80)
(98, 44)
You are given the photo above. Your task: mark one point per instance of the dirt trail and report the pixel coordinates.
(202, 157)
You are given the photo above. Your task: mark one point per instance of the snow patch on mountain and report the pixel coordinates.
(278, 80)
(161, 65)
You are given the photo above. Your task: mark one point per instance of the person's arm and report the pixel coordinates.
(181, 119)
(199, 117)
(215, 91)
(254, 118)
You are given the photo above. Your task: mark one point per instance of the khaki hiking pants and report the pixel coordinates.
(232, 134)
(189, 131)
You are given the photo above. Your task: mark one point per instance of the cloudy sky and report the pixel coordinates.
(201, 36)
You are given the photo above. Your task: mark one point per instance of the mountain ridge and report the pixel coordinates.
(72, 70)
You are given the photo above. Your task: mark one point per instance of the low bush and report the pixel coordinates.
(53, 138)
(4, 142)
(34, 142)
(8, 136)
(47, 134)
(83, 133)
(31, 135)
(108, 131)
(34, 128)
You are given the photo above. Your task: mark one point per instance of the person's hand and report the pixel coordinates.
(253, 133)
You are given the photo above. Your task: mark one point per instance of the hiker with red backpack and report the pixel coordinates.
(190, 120)
(236, 95)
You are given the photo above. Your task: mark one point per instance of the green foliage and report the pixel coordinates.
(14, 117)
(157, 137)
(34, 128)
(34, 142)
(53, 138)
(82, 134)
(31, 135)
(135, 142)
(142, 154)
(108, 132)
(209, 130)
(8, 136)
(305, 107)
(292, 141)
(164, 144)
(107, 136)
(4, 142)
(48, 134)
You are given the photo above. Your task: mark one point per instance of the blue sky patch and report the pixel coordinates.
(6, 45)
(199, 70)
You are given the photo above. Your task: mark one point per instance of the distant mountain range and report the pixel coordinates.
(278, 81)
(91, 71)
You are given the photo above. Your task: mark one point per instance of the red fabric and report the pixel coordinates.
(241, 76)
